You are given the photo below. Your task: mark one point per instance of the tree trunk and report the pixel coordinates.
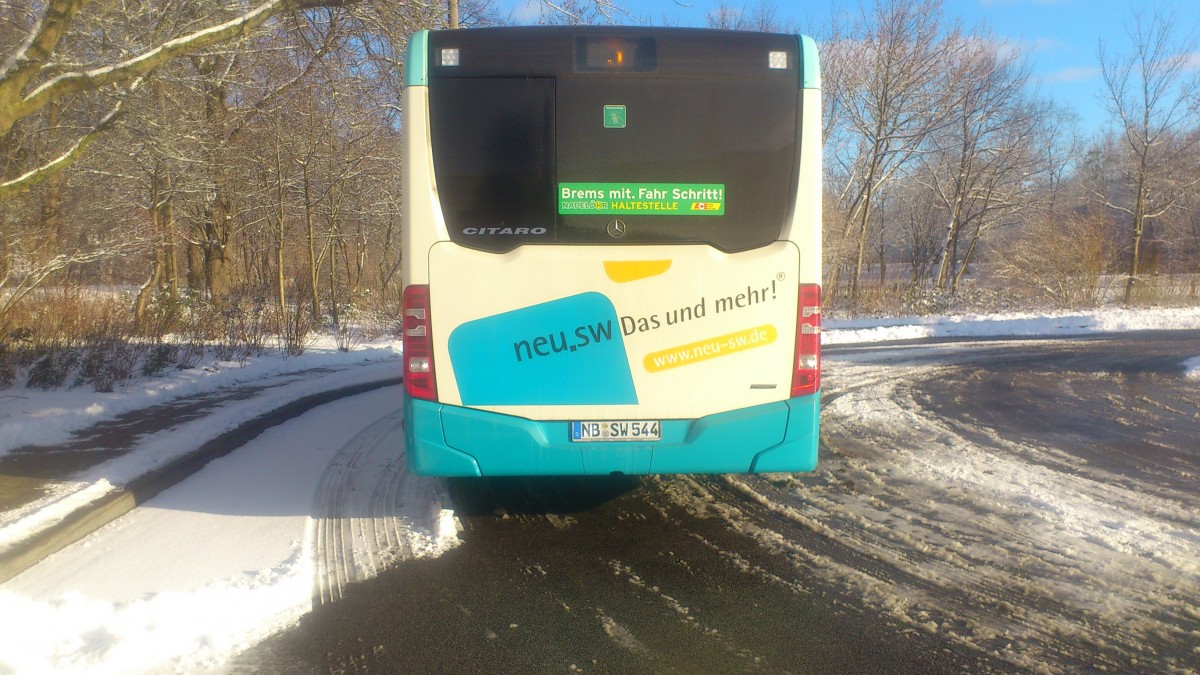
(1134, 256)
(281, 297)
(195, 272)
(1194, 275)
(354, 263)
(217, 225)
(281, 290)
(1135, 253)
(162, 276)
(882, 261)
(216, 273)
(146, 292)
(216, 252)
(966, 262)
(333, 297)
(313, 281)
(171, 271)
(164, 224)
(862, 250)
(947, 257)
(50, 221)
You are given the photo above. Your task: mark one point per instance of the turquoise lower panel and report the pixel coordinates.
(446, 440)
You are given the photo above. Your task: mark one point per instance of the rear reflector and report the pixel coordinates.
(419, 379)
(806, 371)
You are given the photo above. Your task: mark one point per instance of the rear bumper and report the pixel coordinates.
(445, 440)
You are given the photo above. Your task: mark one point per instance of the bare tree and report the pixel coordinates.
(980, 167)
(891, 96)
(1190, 234)
(919, 236)
(762, 17)
(1150, 97)
(581, 12)
(77, 74)
(33, 75)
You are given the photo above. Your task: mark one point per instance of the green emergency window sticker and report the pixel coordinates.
(614, 117)
(647, 199)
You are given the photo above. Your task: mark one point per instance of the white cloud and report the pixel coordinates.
(1042, 45)
(1076, 74)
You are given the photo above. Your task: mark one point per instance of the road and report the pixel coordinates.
(979, 506)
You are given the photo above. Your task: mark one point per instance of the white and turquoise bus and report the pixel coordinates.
(612, 251)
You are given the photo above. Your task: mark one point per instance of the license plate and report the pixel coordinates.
(616, 430)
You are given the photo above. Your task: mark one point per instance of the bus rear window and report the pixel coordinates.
(493, 142)
(676, 155)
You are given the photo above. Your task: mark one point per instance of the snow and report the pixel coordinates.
(1011, 543)
(37, 417)
(1010, 325)
(336, 369)
(205, 569)
(192, 577)
(1191, 368)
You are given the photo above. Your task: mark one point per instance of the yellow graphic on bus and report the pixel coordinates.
(623, 271)
(723, 345)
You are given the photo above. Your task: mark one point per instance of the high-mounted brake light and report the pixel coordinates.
(419, 379)
(806, 373)
(612, 54)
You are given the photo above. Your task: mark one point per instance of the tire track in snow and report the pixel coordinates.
(371, 513)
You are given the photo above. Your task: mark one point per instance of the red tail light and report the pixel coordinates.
(419, 380)
(806, 373)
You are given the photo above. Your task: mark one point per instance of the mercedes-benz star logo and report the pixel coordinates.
(616, 229)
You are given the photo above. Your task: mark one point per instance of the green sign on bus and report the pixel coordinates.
(647, 199)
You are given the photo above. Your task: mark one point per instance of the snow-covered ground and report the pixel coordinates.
(40, 417)
(1010, 325)
(1054, 529)
(240, 560)
(209, 567)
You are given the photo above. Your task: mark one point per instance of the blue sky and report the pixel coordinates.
(1060, 37)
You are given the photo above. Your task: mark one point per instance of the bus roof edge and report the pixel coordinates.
(416, 64)
(810, 64)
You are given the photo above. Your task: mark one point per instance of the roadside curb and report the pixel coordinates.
(24, 554)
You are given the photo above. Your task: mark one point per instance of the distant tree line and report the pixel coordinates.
(201, 153)
(942, 159)
(941, 156)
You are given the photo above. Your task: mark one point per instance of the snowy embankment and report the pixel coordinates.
(1056, 324)
(31, 416)
(1010, 325)
(40, 417)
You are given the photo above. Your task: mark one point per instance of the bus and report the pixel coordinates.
(611, 251)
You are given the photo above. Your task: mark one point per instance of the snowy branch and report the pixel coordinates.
(32, 56)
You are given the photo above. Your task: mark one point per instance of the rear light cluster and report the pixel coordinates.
(419, 379)
(806, 373)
